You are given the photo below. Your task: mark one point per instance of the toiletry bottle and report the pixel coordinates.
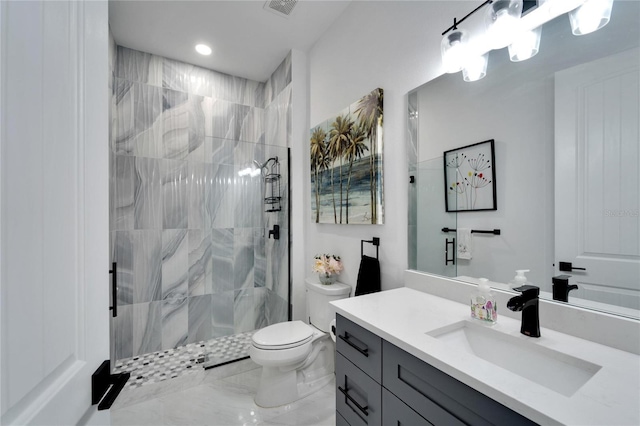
(519, 280)
(483, 304)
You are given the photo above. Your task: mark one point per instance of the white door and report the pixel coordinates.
(597, 178)
(54, 208)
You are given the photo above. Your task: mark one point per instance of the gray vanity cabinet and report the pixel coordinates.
(358, 396)
(358, 374)
(407, 390)
(396, 412)
(360, 346)
(439, 397)
(340, 421)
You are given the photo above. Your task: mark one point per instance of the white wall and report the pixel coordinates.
(299, 178)
(395, 46)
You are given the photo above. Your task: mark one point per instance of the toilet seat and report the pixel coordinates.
(284, 335)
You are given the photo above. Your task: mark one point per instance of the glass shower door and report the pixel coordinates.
(255, 253)
(435, 247)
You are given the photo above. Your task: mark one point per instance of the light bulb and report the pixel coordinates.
(525, 45)
(475, 67)
(502, 21)
(454, 50)
(591, 16)
(203, 49)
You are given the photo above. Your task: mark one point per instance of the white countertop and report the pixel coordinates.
(403, 316)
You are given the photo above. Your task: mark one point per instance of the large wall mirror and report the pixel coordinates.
(565, 126)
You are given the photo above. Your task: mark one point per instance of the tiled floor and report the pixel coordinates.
(219, 396)
(162, 365)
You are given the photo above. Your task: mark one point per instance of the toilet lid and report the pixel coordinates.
(283, 335)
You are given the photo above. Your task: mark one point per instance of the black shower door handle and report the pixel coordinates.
(114, 289)
(448, 243)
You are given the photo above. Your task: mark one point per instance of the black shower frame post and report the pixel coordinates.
(290, 313)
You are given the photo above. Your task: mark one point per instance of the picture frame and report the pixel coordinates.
(346, 164)
(469, 178)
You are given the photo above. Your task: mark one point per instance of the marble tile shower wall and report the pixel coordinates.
(189, 233)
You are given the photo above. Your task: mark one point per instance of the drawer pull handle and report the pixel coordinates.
(350, 398)
(364, 351)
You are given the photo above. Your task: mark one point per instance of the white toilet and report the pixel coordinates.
(297, 359)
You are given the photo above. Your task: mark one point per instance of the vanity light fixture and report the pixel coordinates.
(501, 20)
(475, 67)
(591, 16)
(506, 25)
(525, 44)
(453, 48)
(203, 49)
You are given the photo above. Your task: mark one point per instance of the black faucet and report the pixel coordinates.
(561, 287)
(527, 302)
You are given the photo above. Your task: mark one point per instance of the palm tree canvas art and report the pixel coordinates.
(346, 164)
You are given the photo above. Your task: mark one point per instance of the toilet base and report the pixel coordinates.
(279, 387)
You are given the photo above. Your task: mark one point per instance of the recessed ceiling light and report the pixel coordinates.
(203, 49)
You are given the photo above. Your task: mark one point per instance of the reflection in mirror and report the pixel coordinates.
(566, 131)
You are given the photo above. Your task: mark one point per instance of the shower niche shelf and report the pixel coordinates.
(273, 198)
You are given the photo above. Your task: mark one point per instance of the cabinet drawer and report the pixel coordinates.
(438, 397)
(340, 421)
(358, 396)
(359, 346)
(397, 413)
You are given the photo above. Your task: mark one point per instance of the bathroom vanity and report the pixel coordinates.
(378, 383)
(409, 357)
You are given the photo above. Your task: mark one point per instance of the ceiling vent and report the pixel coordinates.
(280, 7)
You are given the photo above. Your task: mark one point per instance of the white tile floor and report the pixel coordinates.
(219, 396)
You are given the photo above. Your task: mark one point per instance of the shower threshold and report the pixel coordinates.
(217, 363)
(171, 363)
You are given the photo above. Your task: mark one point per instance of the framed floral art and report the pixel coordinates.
(469, 178)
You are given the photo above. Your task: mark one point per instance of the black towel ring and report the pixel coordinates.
(375, 241)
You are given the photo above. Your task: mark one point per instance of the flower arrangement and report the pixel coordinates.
(328, 266)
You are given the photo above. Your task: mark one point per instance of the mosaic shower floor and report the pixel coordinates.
(168, 364)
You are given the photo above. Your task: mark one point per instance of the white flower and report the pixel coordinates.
(327, 264)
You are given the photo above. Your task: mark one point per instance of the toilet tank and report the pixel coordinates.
(319, 311)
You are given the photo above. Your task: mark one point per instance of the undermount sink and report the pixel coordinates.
(554, 370)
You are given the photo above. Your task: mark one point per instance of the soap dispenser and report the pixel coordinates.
(483, 304)
(519, 280)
